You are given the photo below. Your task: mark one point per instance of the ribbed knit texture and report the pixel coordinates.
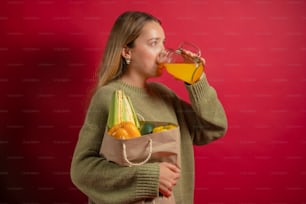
(105, 182)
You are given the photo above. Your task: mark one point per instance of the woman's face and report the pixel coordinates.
(146, 48)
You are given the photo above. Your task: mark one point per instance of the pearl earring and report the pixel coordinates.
(127, 60)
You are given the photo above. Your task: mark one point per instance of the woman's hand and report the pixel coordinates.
(190, 56)
(168, 176)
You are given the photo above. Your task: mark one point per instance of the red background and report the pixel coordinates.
(256, 60)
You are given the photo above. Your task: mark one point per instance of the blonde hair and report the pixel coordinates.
(125, 31)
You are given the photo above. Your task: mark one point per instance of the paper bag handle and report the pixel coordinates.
(140, 163)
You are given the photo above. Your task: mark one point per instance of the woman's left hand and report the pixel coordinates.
(190, 56)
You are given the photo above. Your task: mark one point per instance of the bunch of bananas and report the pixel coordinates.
(148, 128)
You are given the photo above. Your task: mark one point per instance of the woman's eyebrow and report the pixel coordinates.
(156, 38)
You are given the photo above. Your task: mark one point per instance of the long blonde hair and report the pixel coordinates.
(124, 32)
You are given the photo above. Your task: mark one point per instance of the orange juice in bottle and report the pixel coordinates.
(184, 63)
(188, 72)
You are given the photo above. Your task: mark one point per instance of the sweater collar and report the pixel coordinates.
(132, 89)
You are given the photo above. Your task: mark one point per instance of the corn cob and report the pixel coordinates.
(121, 110)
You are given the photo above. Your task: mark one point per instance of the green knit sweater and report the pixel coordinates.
(104, 182)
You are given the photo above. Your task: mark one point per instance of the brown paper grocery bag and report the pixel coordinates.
(156, 147)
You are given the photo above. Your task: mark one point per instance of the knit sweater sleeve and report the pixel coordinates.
(103, 181)
(205, 117)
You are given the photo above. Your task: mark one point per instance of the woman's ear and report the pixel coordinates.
(126, 53)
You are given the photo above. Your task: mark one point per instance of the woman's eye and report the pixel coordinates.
(154, 43)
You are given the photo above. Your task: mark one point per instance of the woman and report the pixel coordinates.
(130, 59)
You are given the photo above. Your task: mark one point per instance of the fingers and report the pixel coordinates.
(173, 167)
(166, 189)
(169, 174)
(190, 56)
(189, 53)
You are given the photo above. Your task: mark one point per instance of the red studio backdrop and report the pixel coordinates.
(256, 60)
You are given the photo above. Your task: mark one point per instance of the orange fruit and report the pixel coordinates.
(124, 130)
(132, 130)
(120, 133)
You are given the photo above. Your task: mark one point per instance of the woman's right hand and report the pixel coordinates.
(168, 176)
